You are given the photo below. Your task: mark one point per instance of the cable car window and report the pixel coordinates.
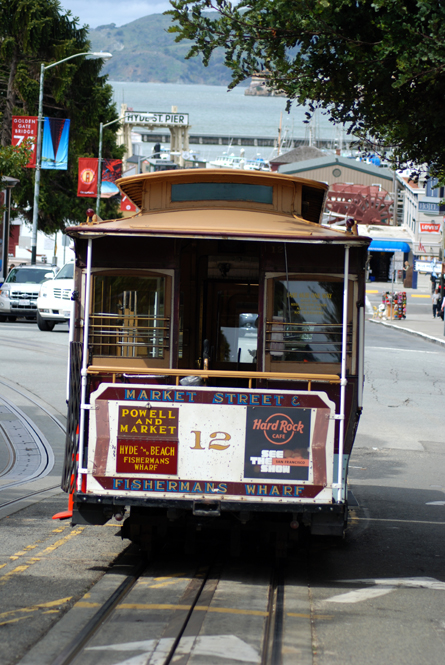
(128, 316)
(306, 325)
(221, 191)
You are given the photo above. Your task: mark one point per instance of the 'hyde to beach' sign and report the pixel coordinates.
(147, 440)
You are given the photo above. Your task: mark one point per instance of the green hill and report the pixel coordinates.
(144, 51)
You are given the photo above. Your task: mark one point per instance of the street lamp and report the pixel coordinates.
(35, 212)
(99, 165)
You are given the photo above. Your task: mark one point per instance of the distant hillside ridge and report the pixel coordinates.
(144, 51)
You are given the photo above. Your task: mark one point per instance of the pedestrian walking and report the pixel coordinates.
(436, 299)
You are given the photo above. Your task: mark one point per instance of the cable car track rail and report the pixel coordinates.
(186, 619)
(36, 438)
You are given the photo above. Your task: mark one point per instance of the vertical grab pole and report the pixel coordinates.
(343, 381)
(70, 339)
(361, 356)
(83, 386)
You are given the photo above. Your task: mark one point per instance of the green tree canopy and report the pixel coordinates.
(13, 159)
(376, 65)
(36, 31)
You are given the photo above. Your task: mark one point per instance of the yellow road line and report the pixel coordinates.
(33, 608)
(26, 549)
(168, 577)
(62, 541)
(163, 581)
(20, 569)
(199, 608)
(161, 585)
(3, 623)
(371, 291)
(419, 295)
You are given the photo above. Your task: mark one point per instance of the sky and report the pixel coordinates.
(103, 12)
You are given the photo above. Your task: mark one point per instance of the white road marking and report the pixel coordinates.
(359, 595)
(435, 503)
(410, 582)
(155, 651)
(383, 586)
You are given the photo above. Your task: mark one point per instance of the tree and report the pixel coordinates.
(376, 65)
(13, 159)
(36, 31)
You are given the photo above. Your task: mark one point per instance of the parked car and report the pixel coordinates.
(18, 293)
(54, 301)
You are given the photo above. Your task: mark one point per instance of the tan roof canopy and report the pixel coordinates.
(222, 203)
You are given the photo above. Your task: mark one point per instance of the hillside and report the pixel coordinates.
(144, 51)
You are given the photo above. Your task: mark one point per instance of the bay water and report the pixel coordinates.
(215, 110)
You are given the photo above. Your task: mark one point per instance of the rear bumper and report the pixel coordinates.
(188, 504)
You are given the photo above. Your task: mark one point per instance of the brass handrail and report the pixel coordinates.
(214, 373)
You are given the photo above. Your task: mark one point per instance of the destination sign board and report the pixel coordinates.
(234, 443)
(156, 118)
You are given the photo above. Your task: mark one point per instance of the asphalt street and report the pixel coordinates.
(376, 597)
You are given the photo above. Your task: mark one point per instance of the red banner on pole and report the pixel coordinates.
(127, 205)
(87, 178)
(25, 127)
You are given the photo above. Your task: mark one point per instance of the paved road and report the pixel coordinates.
(377, 597)
(45, 566)
(386, 585)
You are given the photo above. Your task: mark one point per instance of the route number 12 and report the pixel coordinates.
(215, 442)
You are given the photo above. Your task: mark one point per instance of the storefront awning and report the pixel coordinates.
(389, 246)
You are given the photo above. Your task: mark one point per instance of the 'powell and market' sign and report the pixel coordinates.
(155, 118)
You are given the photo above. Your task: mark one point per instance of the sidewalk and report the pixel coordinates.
(421, 325)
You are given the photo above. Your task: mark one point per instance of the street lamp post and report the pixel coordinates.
(35, 211)
(99, 161)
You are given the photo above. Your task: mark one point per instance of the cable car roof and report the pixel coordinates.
(196, 202)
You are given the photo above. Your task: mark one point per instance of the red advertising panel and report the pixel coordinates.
(25, 127)
(87, 178)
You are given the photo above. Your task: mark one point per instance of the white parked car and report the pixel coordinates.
(54, 301)
(18, 293)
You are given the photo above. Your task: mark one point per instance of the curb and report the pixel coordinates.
(427, 338)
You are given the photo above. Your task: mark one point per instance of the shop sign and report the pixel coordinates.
(428, 266)
(424, 206)
(430, 227)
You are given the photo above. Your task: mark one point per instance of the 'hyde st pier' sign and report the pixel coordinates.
(155, 118)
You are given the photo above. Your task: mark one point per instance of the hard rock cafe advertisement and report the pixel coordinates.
(277, 443)
(227, 443)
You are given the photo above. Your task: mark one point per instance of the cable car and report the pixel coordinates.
(216, 360)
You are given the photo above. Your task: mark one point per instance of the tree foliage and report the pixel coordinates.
(13, 159)
(376, 65)
(36, 31)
